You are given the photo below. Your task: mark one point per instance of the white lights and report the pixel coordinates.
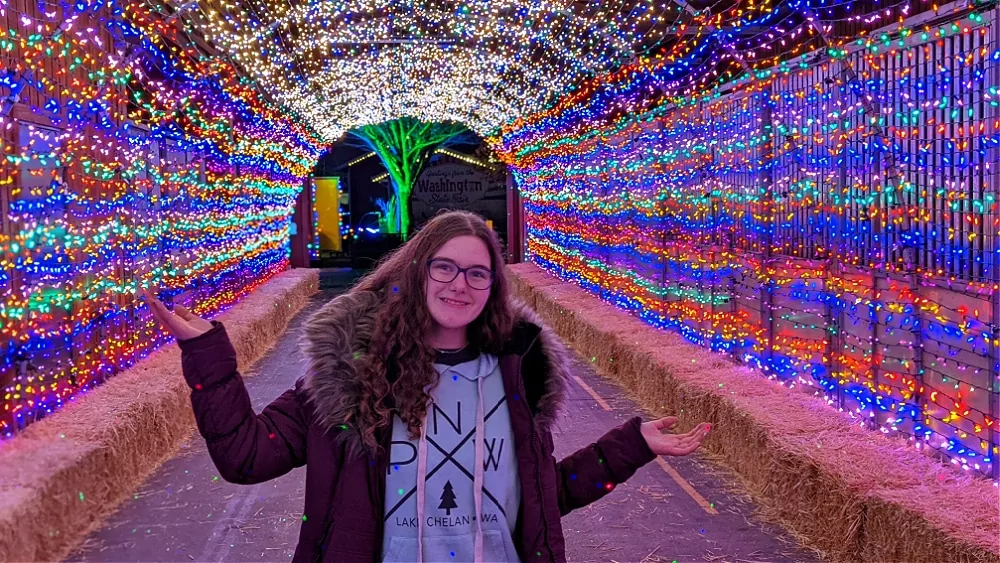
(344, 64)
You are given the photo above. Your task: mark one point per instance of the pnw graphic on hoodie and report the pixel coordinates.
(453, 510)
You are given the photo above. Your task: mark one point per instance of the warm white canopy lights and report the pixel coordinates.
(342, 64)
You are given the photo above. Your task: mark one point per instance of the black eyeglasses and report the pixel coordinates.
(445, 271)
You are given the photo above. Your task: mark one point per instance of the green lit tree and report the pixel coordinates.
(405, 146)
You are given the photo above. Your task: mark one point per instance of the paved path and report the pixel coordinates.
(674, 510)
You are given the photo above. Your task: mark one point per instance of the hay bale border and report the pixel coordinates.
(64, 474)
(852, 494)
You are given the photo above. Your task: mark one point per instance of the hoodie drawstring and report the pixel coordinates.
(478, 483)
(421, 482)
(480, 445)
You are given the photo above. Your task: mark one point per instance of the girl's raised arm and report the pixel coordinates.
(246, 447)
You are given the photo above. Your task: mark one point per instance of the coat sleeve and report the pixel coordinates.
(594, 471)
(246, 447)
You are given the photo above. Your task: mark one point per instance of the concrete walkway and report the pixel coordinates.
(672, 510)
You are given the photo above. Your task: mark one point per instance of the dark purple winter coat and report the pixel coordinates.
(345, 485)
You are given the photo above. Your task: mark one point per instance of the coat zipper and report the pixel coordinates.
(322, 541)
(541, 495)
(534, 451)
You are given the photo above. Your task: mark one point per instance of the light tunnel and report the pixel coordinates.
(807, 187)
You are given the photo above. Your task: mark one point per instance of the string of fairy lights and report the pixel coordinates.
(169, 140)
(689, 162)
(765, 221)
(164, 170)
(342, 65)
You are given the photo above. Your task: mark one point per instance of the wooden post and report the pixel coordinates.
(876, 369)
(994, 180)
(8, 137)
(515, 223)
(768, 153)
(918, 341)
(302, 219)
(994, 436)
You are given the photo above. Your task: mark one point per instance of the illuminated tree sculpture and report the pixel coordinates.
(405, 146)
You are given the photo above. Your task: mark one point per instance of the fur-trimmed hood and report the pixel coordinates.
(341, 331)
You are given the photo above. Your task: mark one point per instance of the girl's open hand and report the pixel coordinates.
(673, 444)
(182, 324)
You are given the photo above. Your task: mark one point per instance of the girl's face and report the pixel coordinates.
(456, 298)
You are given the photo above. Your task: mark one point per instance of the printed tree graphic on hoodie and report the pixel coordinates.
(448, 498)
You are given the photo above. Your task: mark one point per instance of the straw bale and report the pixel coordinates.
(521, 290)
(532, 275)
(854, 494)
(609, 352)
(523, 269)
(19, 499)
(933, 522)
(62, 475)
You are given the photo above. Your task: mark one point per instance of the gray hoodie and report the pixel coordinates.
(455, 491)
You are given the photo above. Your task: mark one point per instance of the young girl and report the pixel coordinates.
(425, 417)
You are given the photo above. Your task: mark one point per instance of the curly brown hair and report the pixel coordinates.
(402, 322)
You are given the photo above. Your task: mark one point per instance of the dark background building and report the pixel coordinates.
(463, 176)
